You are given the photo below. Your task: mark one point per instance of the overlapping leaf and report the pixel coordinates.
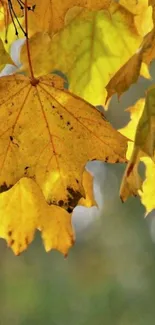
(49, 134)
(50, 15)
(85, 49)
(130, 71)
(47, 15)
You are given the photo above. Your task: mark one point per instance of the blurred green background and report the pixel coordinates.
(109, 275)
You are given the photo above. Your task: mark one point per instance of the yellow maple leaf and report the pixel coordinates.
(49, 134)
(86, 50)
(142, 129)
(24, 209)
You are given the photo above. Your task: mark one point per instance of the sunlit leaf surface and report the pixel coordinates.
(49, 134)
(23, 210)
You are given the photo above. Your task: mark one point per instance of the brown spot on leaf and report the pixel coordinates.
(10, 233)
(26, 241)
(73, 197)
(12, 242)
(4, 187)
(26, 169)
(106, 159)
(69, 210)
(61, 203)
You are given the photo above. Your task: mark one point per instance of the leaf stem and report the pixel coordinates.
(34, 81)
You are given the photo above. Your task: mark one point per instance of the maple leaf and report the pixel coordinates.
(49, 134)
(143, 126)
(86, 49)
(24, 209)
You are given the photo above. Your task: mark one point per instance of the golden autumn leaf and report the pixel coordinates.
(143, 125)
(24, 210)
(86, 50)
(49, 134)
